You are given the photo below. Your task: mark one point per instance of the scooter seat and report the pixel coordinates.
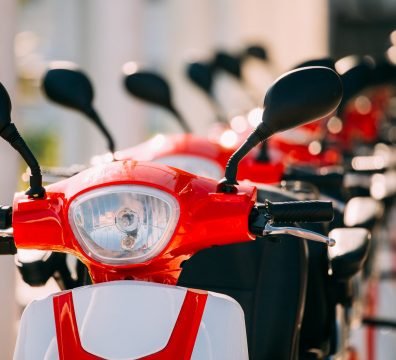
(350, 252)
(329, 182)
(362, 212)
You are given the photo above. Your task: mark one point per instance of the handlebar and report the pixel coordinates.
(260, 221)
(264, 215)
(7, 244)
(300, 211)
(5, 217)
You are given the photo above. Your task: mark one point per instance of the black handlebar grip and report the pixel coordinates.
(300, 211)
(5, 217)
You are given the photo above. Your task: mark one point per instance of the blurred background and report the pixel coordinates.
(102, 35)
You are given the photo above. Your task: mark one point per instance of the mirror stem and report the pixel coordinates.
(183, 123)
(219, 113)
(226, 184)
(263, 153)
(93, 115)
(12, 136)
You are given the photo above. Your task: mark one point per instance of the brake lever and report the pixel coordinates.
(298, 232)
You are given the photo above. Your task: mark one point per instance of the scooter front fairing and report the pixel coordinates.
(132, 320)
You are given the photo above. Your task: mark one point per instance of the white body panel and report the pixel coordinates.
(129, 320)
(222, 332)
(37, 337)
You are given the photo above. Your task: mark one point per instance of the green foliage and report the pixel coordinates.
(44, 146)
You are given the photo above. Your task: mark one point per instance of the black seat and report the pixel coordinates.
(350, 252)
(267, 278)
(362, 212)
(347, 258)
(329, 181)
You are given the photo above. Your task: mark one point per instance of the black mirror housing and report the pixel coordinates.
(149, 87)
(9, 133)
(5, 108)
(296, 98)
(324, 62)
(73, 89)
(70, 88)
(257, 52)
(153, 88)
(229, 63)
(301, 96)
(201, 74)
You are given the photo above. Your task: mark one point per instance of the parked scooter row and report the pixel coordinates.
(142, 221)
(53, 74)
(317, 338)
(371, 86)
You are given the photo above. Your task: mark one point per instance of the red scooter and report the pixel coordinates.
(184, 151)
(141, 221)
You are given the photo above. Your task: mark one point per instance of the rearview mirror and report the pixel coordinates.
(325, 62)
(5, 108)
(149, 87)
(355, 80)
(154, 89)
(301, 96)
(296, 98)
(72, 88)
(229, 63)
(201, 74)
(257, 52)
(9, 133)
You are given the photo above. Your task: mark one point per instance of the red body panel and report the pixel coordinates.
(164, 145)
(180, 345)
(207, 218)
(68, 338)
(188, 144)
(361, 124)
(299, 153)
(183, 337)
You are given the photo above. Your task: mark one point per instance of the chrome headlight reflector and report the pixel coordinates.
(123, 224)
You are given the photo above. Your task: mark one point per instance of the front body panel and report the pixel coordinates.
(207, 218)
(132, 320)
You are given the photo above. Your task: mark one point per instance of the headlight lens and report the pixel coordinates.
(124, 224)
(193, 164)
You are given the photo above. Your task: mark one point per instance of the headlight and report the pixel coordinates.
(193, 164)
(124, 224)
